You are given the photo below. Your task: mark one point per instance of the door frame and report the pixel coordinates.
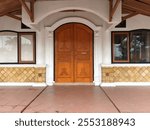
(49, 48)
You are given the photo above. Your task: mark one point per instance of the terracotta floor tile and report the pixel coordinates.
(130, 99)
(75, 99)
(14, 99)
(65, 99)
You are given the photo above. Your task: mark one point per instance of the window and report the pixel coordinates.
(17, 48)
(131, 47)
(8, 47)
(140, 46)
(120, 47)
(27, 47)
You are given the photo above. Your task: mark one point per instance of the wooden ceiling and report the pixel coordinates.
(134, 7)
(130, 8)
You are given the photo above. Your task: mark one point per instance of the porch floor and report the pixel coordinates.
(66, 99)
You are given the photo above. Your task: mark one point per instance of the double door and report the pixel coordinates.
(73, 53)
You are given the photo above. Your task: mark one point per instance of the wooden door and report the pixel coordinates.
(73, 53)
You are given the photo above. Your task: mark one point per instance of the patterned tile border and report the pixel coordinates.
(125, 74)
(22, 74)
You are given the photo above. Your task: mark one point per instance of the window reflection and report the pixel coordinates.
(140, 46)
(135, 50)
(120, 47)
(8, 47)
(27, 45)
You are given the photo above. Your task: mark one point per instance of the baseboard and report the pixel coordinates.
(115, 84)
(32, 84)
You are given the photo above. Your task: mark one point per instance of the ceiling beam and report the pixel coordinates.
(30, 11)
(145, 1)
(129, 16)
(112, 9)
(14, 16)
(137, 6)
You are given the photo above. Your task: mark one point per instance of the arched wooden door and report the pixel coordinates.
(73, 53)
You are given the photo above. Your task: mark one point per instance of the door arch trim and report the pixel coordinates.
(49, 48)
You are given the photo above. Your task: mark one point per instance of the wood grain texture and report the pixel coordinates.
(73, 53)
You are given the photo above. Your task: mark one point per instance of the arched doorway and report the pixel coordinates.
(73, 53)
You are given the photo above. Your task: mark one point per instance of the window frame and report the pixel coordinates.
(112, 47)
(19, 61)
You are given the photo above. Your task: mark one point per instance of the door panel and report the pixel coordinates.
(73, 53)
(83, 53)
(64, 54)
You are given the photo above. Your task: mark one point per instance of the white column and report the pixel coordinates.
(97, 55)
(49, 55)
(107, 48)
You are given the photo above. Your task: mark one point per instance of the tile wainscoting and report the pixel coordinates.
(125, 74)
(23, 74)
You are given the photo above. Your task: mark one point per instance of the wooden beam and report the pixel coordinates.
(145, 1)
(137, 6)
(129, 16)
(14, 16)
(9, 11)
(136, 9)
(110, 9)
(29, 11)
(32, 10)
(113, 8)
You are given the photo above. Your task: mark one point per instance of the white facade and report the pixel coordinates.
(94, 13)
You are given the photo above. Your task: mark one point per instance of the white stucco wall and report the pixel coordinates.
(46, 8)
(7, 23)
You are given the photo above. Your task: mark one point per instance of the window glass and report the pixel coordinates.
(140, 46)
(120, 47)
(27, 43)
(8, 47)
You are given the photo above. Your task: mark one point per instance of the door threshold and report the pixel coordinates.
(73, 83)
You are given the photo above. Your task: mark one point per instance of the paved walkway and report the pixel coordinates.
(66, 99)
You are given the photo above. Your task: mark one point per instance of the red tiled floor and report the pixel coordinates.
(75, 99)
(15, 99)
(72, 99)
(130, 99)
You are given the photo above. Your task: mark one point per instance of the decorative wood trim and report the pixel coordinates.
(29, 11)
(129, 15)
(113, 8)
(14, 16)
